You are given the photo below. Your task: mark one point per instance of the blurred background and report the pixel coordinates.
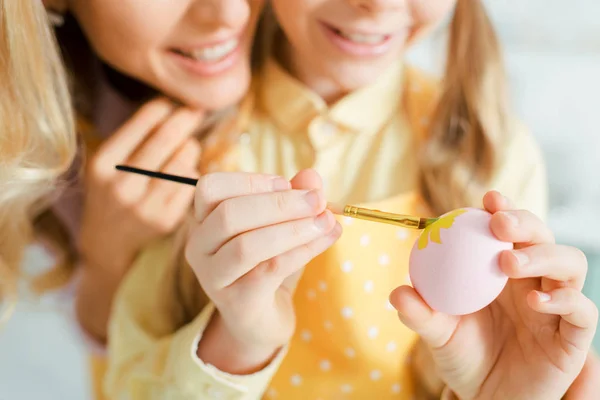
(552, 52)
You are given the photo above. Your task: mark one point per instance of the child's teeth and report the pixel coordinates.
(216, 52)
(360, 38)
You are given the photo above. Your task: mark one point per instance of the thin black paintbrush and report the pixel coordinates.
(160, 175)
(406, 221)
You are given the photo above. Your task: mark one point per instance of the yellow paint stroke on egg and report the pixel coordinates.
(433, 231)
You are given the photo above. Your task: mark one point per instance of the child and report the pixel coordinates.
(37, 135)
(147, 77)
(247, 318)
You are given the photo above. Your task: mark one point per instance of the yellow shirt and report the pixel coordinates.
(349, 343)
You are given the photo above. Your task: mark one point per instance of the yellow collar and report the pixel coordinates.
(293, 106)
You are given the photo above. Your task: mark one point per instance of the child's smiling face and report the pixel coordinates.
(197, 51)
(351, 42)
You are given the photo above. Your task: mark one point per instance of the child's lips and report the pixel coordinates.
(358, 43)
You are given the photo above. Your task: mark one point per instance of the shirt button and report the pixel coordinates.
(328, 129)
(245, 138)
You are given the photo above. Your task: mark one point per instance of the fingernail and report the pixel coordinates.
(280, 184)
(313, 198)
(522, 258)
(514, 221)
(322, 221)
(544, 297)
(336, 231)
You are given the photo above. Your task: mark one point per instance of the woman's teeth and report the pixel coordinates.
(362, 38)
(214, 53)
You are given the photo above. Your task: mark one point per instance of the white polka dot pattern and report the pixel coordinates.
(365, 240)
(373, 332)
(296, 380)
(350, 352)
(347, 266)
(325, 365)
(384, 259)
(306, 335)
(347, 343)
(375, 375)
(346, 388)
(347, 312)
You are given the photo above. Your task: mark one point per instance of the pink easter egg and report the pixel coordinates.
(454, 263)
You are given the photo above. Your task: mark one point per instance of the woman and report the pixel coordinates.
(37, 141)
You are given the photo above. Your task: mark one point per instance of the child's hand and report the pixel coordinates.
(254, 234)
(123, 212)
(533, 340)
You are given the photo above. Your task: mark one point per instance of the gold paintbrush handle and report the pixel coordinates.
(406, 221)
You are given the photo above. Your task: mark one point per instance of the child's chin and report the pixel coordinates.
(353, 77)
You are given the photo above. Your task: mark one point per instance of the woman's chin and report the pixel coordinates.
(215, 97)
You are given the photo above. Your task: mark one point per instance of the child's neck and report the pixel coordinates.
(326, 88)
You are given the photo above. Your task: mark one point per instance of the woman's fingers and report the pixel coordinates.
(129, 137)
(241, 254)
(242, 214)
(579, 314)
(557, 262)
(214, 188)
(168, 202)
(161, 144)
(159, 147)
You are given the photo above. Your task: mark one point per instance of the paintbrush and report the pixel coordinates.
(406, 221)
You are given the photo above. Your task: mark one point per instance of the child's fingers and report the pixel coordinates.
(574, 307)
(124, 142)
(520, 227)
(494, 201)
(560, 263)
(242, 214)
(241, 254)
(214, 188)
(307, 179)
(278, 269)
(434, 327)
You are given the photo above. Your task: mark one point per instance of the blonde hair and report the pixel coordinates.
(37, 142)
(465, 140)
(459, 153)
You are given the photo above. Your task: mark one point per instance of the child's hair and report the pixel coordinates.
(469, 127)
(458, 155)
(37, 142)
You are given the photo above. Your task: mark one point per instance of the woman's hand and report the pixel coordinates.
(533, 340)
(253, 237)
(123, 212)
